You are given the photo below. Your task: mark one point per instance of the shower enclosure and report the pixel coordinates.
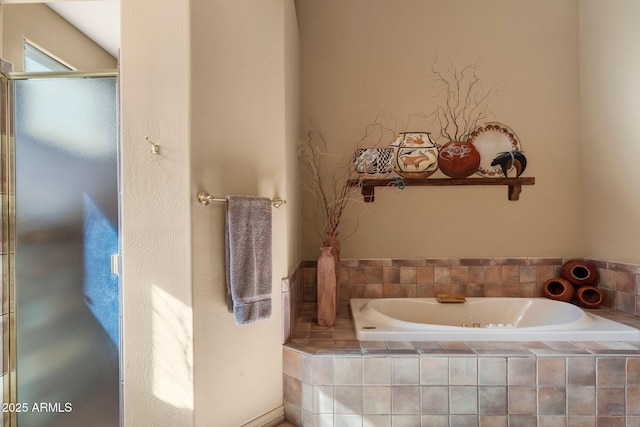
(60, 240)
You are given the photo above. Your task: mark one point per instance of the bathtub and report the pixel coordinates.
(481, 319)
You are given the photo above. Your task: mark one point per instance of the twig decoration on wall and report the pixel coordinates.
(465, 101)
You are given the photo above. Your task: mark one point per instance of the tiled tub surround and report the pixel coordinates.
(292, 300)
(472, 277)
(331, 379)
(425, 277)
(420, 277)
(620, 284)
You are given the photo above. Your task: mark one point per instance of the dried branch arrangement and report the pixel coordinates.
(328, 179)
(327, 182)
(464, 103)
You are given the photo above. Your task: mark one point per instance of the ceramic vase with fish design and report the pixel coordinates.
(416, 155)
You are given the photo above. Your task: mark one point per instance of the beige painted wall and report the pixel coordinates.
(1, 29)
(610, 129)
(157, 310)
(292, 81)
(243, 130)
(39, 24)
(363, 56)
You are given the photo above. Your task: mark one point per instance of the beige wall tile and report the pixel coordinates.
(552, 421)
(607, 278)
(477, 274)
(492, 371)
(408, 275)
(511, 289)
(463, 371)
(292, 388)
(357, 275)
(435, 400)
(633, 400)
(492, 400)
(521, 400)
(435, 420)
(424, 291)
(377, 370)
(323, 399)
(424, 275)
(463, 400)
(373, 291)
(633, 371)
(546, 272)
(521, 370)
(377, 400)
(523, 420)
(442, 275)
(391, 291)
(292, 363)
(434, 370)
(374, 421)
(373, 275)
(408, 290)
(511, 273)
(493, 274)
(348, 400)
(405, 371)
(581, 400)
(610, 400)
(405, 400)
(552, 371)
(581, 421)
(460, 275)
(625, 282)
(347, 370)
(493, 421)
(390, 275)
(322, 371)
(611, 370)
(528, 273)
(552, 400)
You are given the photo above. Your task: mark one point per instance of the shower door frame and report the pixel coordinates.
(7, 180)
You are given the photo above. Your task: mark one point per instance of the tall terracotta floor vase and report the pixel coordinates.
(326, 287)
(335, 251)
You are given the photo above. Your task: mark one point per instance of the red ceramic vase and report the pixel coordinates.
(589, 296)
(458, 159)
(558, 289)
(579, 272)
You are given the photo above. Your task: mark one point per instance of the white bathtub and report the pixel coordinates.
(482, 319)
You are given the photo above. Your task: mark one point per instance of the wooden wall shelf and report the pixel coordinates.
(369, 185)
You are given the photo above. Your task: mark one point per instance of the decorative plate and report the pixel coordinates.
(492, 139)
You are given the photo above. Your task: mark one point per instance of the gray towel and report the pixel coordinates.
(248, 244)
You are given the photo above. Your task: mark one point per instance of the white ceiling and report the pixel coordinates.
(98, 19)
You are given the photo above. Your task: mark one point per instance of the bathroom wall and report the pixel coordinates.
(1, 27)
(41, 25)
(360, 57)
(244, 130)
(609, 128)
(156, 223)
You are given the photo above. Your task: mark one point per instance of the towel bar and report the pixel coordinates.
(205, 199)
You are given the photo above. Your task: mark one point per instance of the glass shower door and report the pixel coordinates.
(67, 331)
